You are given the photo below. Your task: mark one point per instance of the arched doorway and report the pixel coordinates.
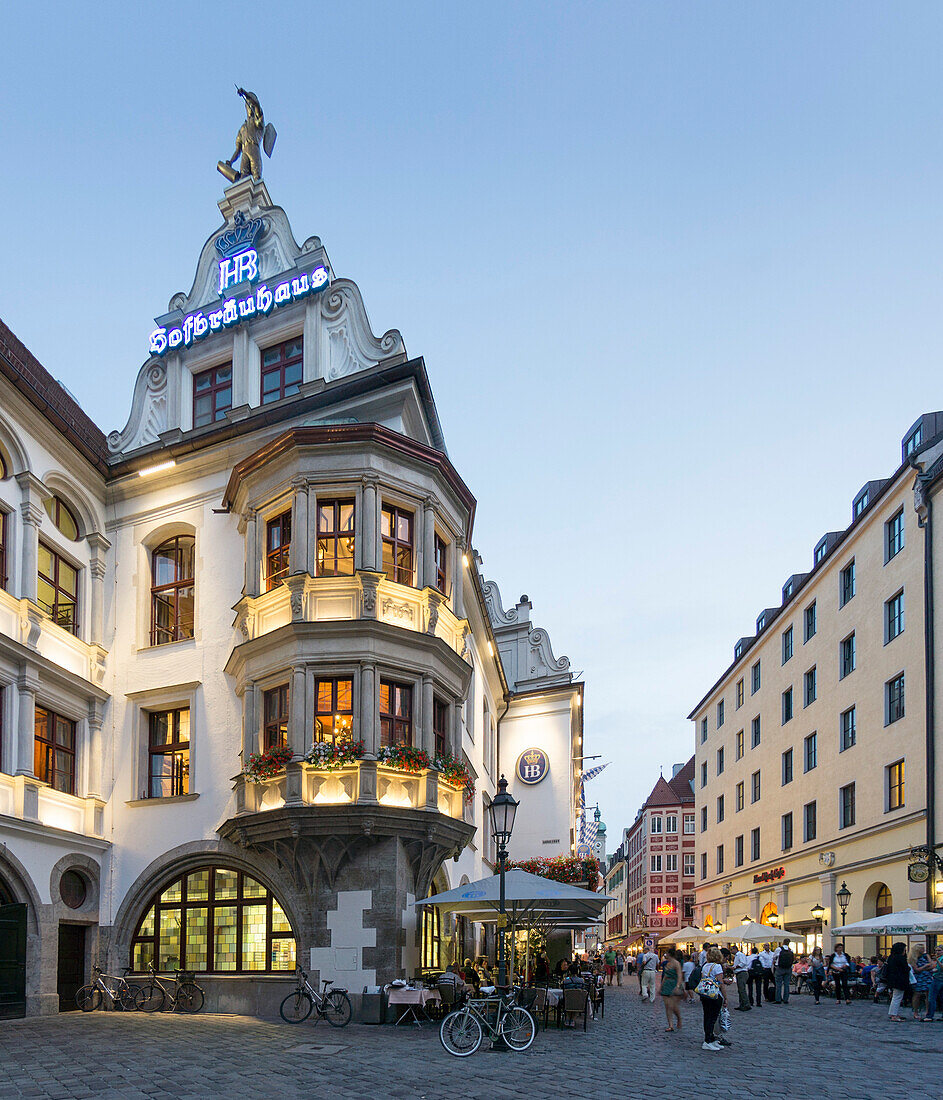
(770, 914)
(13, 918)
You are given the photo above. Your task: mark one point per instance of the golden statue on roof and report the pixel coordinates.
(252, 133)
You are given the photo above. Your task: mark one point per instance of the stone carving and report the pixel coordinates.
(394, 610)
(827, 859)
(148, 417)
(435, 602)
(493, 602)
(351, 345)
(296, 590)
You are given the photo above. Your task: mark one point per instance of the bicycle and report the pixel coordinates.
(462, 1031)
(334, 1006)
(184, 994)
(122, 994)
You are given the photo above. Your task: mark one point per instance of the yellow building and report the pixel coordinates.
(811, 748)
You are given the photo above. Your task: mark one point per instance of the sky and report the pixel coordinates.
(674, 269)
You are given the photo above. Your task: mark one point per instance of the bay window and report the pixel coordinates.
(396, 527)
(396, 719)
(334, 714)
(277, 549)
(336, 538)
(275, 717)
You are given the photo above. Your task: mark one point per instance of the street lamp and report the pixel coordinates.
(773, 918)
(843, 897)
(745, 919)
(818, 913)
(501, 811)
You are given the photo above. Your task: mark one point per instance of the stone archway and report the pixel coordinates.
(27, 918)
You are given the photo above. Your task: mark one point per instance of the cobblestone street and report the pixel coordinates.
(793, 1051)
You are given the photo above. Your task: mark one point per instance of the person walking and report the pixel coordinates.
(638, 970)
(742, 976)
(818, 972)
(755, 977)
(936, 984)
(766, 958)
(620, 966)
(712, 1005)
(782, 972)
(672, 989)
(840, 966)
(648, 967)
(609, 965)
(897, 979)
(922, 966)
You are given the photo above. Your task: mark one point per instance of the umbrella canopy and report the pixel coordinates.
(908, 922)
(688, 934)
(529, 899)
(749, 933)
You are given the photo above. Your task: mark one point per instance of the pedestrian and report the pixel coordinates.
(782, 974)
(648, 967)
(609, 965)
(742, 977)
(897, 979)
(840, 966)
(638, 970)
(936, 984)
(692, 975)
(672, 989)
(620, 966)
(766, 958)
(818, 972)
(713, 996)
(922, 966)
(755, 977)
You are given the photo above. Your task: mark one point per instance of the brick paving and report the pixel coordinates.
(796, 1051)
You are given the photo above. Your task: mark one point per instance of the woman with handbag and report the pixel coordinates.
(672, 989)
(713, 996)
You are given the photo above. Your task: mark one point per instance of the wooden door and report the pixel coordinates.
(71, 971)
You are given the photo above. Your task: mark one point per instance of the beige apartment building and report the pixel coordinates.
(811, 748)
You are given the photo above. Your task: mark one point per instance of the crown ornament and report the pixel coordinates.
(240, 236)
(532, 757)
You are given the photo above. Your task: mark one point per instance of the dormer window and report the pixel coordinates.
(282, 370)
(212, 395)
(62, 518)
(277, 548)
(820, 551)
(913, 441)
(861, 503)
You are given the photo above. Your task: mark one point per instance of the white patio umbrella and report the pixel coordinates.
(688, 934)
(908, 922)
(749, 933)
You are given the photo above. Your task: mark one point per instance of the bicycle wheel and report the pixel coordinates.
(149, 998)
(337, 1010)
(296, 1007)
(460, 1033)
(518, 1028)
(88, 998)
(189, 998)
(130, 997)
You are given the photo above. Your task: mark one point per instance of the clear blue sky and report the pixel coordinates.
(674, 269)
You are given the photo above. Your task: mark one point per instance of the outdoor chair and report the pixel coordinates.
(599, 1001)
(451, 996)
(541, 1008)
(576, 1002)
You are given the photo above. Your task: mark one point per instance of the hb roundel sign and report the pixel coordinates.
(532, 766)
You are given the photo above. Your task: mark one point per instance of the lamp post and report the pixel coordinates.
(818, 914)
(502, 810)
(843, 897)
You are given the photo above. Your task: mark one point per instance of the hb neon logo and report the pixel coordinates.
(236, 269)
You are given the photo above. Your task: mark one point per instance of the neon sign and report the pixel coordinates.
(665, 910)
(234, 311)
(770, 876)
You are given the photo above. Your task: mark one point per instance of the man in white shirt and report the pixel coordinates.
(648, 967)
(701, 957)
(740, 972)
(766, 958)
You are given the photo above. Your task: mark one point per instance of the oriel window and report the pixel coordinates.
(275, 717)
(440, 726)
(282, 370)
(396, 713)
(169, 753)
(212, 395)
(54, 750)
(336, 538)
(277, 548)
(3, 548)
(441, 551)
(334, 719)
(396, 527)
(172, 590)
(57, 589)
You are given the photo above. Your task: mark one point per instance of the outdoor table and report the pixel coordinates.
(412, 1000)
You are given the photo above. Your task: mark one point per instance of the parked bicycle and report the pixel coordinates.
(462, 1031)
(334, 1006)
(182, 993)
(120, 992)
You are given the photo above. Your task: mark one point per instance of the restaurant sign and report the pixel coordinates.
(770, 876)
(532, 766)
(665, 910)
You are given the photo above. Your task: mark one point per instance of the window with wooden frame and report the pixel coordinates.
(441, 564)
(895, 785)
(54, 750)
(440, 726)
(277, 549)
(57, 589)
(396, 528)
(212, 395)
(168, 753)
(336, 538)
(282, 367)
(275, 717)
(172, 590)
(214, 920)
(396, 713)
(334, 714)
(63, 518)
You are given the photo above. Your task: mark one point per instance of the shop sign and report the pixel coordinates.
(918, 871)
(532, 766)
(665, 910)
(770, 876)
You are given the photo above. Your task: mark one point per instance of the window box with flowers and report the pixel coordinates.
(266, 765)
(331, 756)
(455, 773)
(569, 869)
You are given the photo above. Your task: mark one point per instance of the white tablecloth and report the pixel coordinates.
(402, 995)
(554, 997)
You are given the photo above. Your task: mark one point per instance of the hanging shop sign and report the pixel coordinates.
(532, 766)
(918, 871)
(770, 876)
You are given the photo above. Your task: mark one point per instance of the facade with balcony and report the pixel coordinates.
(255, 692)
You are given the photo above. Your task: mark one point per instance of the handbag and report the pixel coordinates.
(708, 987)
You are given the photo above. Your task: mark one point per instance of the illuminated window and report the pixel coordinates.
(57, 589)
(895, 785)
(63, 518)
(169, 753)
(430, 937)
(281, 370)
(441, 561)
(396, 713)
(214, 920)
(336, 538)
(334, 718)
(277, 549)
(440, 725)
(172, 590)
(212, 395)
(275, 717)
(396, 529)
(54, 750)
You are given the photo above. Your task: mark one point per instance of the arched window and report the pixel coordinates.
(172, 590)
(769, 910)
(214, 921)
(883, 904)
(63, 518)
